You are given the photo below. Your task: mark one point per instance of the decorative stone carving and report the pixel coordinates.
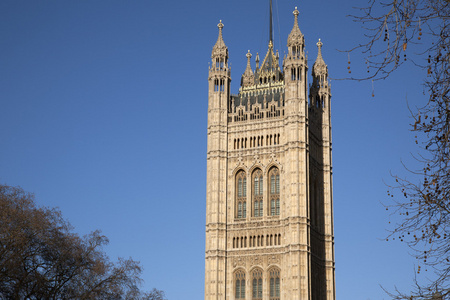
(238, 262)
(274, 260)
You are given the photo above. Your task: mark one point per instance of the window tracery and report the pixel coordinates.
(257, 196)
(274, 275)
(274, 191)
(241, 195)
(257, 284)
(239, 278)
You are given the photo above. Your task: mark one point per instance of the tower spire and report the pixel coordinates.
(271, 24)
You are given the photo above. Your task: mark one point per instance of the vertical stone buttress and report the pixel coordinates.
(320, 97)
(219, 91)
(297, 282)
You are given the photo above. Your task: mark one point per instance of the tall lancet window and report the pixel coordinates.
(274, 274)
(239, 277)
(257, 193)
(274, 191)
(241, 195)
(257, 284)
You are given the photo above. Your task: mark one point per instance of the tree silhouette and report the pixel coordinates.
(398, 31)
(41, 258)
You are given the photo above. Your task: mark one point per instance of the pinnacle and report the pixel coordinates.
(319, 58)
(220, 44)
(319, 64)
(296, 36)
(248, 76)
(248, 70)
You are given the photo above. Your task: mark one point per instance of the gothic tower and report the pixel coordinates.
(269, 209)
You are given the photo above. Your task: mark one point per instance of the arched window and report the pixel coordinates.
(274, 191)
(274, 275)
(257, 193)
(241, 195)
(239, 278)
(257, 284)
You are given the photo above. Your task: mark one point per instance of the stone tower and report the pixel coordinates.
(269, 208)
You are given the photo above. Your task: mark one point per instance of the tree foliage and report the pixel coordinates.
(41, 258)
(398, 31)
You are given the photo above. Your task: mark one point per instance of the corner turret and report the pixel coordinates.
(320, 89)
(219, 53)
(219, 72)
(295, 63)
(320, 69)
(296, 40)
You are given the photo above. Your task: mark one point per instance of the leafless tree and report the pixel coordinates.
(41, 258)
(398, 31)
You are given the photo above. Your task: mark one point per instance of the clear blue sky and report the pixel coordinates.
(104, 114)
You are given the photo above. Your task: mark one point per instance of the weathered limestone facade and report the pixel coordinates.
(269, 214)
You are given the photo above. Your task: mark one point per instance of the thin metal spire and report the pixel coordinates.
(271, 24)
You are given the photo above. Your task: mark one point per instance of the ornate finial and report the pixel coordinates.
(220, 46)
(220, 25)
(296, 36)
(249, 55)
(319, 45)
(319, 65)
(319, 54)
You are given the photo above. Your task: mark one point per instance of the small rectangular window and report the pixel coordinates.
(272, 184)
(238, 289)
(260, 186)
(272, 287)
(240, 187)
(260, 208)
(277, 190)
(272, 207)
(260, 288)
(244, 210)
(277, 287)
(278, 207)
(244, 187)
